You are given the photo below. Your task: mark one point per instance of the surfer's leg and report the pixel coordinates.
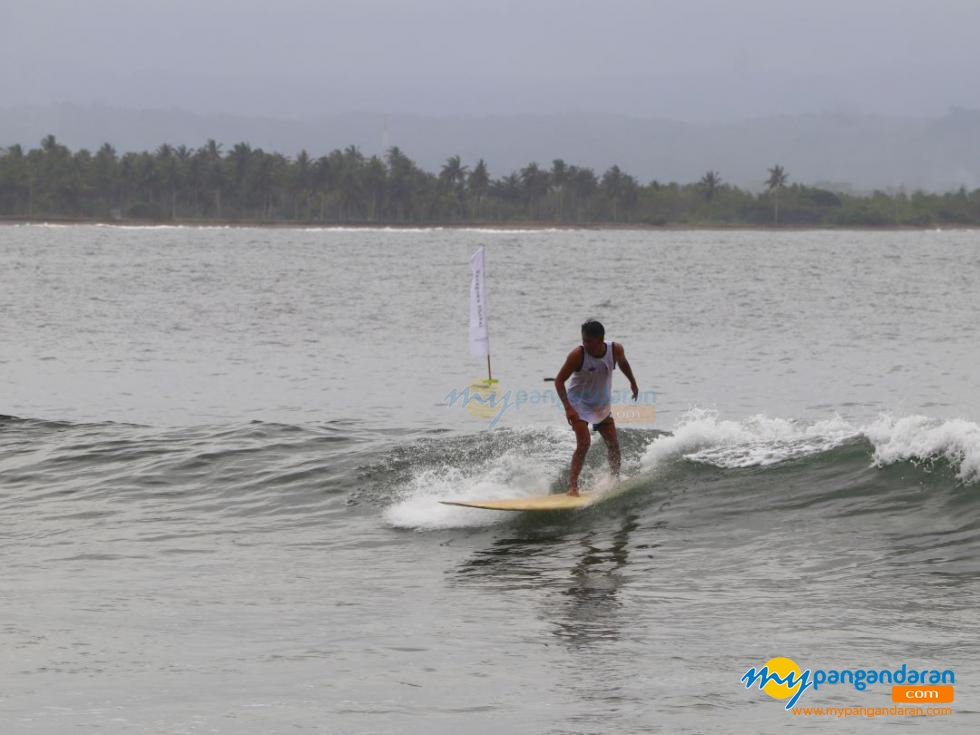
(608, 431)
(582, 443)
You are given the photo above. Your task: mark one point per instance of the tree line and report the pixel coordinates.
(246, 184)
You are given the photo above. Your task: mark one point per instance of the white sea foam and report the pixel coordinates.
(924, 439)
(483, 230)
(107, 225)
(702, 436)
(288, 225)
(758, 441)
(162, 227)
(513, 474)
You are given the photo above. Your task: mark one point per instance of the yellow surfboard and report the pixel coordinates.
(557, 501)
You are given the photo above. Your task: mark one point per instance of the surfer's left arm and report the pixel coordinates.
(619, 354)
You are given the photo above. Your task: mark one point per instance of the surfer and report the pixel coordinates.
(587, 400)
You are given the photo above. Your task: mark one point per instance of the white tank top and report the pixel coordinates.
(590, 388)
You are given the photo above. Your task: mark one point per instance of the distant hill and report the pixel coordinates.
(840, 151)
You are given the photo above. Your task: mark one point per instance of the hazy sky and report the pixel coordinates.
(691, 60)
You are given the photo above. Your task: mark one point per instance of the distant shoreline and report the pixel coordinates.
(249, 187)
(475, 225)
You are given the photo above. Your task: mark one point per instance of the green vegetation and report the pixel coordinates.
(247, 184)
(775, 184)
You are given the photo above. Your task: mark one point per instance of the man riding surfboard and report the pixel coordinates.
(587, 400)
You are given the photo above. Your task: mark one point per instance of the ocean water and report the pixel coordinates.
(222, 451)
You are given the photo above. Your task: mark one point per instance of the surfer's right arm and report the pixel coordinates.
(571, 364)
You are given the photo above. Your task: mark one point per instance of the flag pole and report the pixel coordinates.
(479, 313)
(489, 374)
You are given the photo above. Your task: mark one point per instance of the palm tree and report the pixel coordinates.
(629, 194)
(211, 153)
(184, 157)
(127, 179)
(196, 178)
(536, 183)
(375, 180)
(402, 174)
(478, 184)
(302, 177)
(33, 163)
(559, 178)
(20, 175)
(240, 161)
(270, 175)
(104, 172)
(612, 187)
(709, 185)
(453, 178)
(453, 172)
(146, 177)
(583, 184)
(50, 144)
(53, 173)
(323, 177)
(167, 165)
(777, 180)
(508, 190)
(350, 190)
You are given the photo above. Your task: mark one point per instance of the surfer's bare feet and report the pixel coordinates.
(573, 492)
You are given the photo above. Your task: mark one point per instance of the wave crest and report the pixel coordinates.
(758, 441)
(922, 439)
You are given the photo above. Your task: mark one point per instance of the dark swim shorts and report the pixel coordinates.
(605, 422)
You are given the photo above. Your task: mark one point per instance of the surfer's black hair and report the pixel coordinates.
(592, 328)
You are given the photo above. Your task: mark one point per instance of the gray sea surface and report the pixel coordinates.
(222, 451)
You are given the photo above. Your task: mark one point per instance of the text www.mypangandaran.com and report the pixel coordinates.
(872, 711)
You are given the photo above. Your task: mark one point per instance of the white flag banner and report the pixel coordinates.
(479, 331)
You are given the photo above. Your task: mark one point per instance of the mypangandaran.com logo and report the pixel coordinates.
(782, 678)
(486, 399)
